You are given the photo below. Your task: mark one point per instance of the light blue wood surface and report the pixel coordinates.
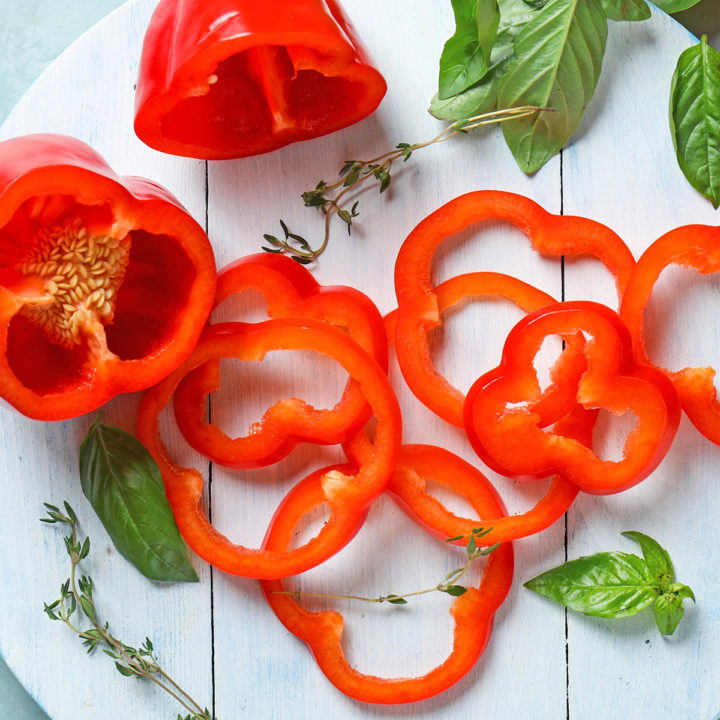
(31, 35)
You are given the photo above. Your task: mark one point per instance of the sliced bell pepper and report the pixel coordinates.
(691, 246)
(472, 612)
(105, 282)
(505, 431)
(348, 494)
(419, 463)
(290, 291)
(418, 308)
(447, 401)
(230, 78)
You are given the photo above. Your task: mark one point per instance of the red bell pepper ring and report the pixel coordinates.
(291, 292)
(419, 463)
(105, 282)
(418, 308)
(504, 430)
(472, 612)
(230, 78)
(556, 400)
(348, 495)
(691, 246)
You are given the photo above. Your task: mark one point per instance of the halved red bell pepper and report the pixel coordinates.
(290, 291)
(418, 309)
(691, 246)
(348, 494)
(472, 612)
(229, 78)
(505, 431)
(105, 282)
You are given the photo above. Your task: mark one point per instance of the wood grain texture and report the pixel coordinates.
(218, 637)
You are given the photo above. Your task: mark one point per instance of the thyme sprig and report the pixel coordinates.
(449, 584)
(330, 199)
(76, 600)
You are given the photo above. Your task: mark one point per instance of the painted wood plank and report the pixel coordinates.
(259, 668)
(639, 191)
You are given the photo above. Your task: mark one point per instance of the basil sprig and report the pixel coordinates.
(545, 53)
(618, 584)
(123, 484)
(695, 118)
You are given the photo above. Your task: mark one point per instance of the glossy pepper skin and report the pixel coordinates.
(226, 79)
(105, 282)
(420, 463)
(418, 309)
(473, 612)
(570, 365)
(506, 432)
(290, 291)
(691, 246)
(347, 493)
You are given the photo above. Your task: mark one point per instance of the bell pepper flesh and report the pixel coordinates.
(231, 78)
(105, 282)
(447, 401)
(473, 612)
(347, 495)
(418, 309)
(690, 246)
(504, 430)
(290, 291)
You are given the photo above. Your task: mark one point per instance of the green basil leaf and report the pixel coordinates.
(466, 55)
(668, 612)
(482, 96)
(695, 118)
(558, 56)
(487, 22)
(123, 484)
(656, 557)
(610, 585)
(673, 6)
(682, 591)
(626, 9)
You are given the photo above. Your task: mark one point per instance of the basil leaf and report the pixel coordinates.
(482, 97)
(656, 557)
(609, 584)
(123, 484)
(668, 612)
(695, 118)
(465, 57)
(558, 56)
(673, 6)
(626, 9)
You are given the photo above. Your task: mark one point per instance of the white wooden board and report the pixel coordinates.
(218, 637)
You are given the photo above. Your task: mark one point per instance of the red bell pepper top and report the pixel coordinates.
(505, 430)
(105, 281)
(230, 78)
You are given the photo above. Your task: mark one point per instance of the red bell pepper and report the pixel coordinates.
(418, 307)
(348, 494)
(505, 431)
(290, 291)
(692, 246)
(105, 282)
(447, 401)
(472, 612)
(229, 78)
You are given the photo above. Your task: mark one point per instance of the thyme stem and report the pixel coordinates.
(356, 172)
(78, 593)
